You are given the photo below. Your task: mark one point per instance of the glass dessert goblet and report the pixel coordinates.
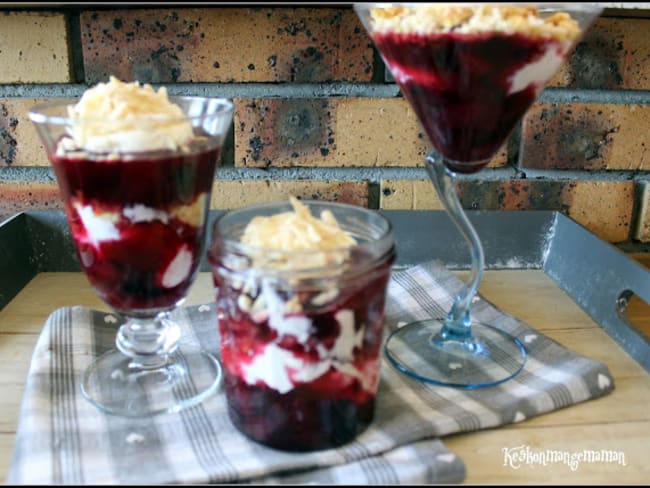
(300, 305)
(137, 210)
(470, 72)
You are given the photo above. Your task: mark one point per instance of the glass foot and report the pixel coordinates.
(488, 358)
(116, 386)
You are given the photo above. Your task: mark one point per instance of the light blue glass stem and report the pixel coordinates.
(457, 325)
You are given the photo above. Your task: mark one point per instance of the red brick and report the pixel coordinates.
(334, 132)
(408, 195)
(603, 207)
(22, 196)
(226, 45)
(614, 54)
(586, 136)
(237, 194)
(20, 144)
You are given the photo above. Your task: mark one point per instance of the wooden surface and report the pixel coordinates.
(619, 422)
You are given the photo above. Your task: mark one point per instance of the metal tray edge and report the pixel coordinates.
(596, 275)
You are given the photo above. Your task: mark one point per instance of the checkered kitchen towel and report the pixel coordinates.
(62, 439)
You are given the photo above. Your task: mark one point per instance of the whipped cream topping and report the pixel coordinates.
(427, 19)
(127, 117)
(297, 231)
(558, 30)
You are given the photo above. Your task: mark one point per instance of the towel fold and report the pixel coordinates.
(63, 439)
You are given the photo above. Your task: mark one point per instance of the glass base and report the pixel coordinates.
(115, 385)
(488, 358)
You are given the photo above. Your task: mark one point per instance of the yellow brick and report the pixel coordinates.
(378, 132)
(334, 132)
(408, 195)
(240, 193)
(16, 128)
(244, 45)
(23, 196)
(603, 207)
(34, 48)
(383, 132)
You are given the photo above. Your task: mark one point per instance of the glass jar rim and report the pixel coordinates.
(375, 247)
(387, 232)
(39, 112)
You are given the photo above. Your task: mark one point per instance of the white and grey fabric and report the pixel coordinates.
(63, 439)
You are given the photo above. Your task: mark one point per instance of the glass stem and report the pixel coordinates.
(148, 341)
(458, 322)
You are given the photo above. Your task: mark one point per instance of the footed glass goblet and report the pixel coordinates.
(470, 72)
(138, 220)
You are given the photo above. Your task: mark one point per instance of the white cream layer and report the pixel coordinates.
(540, 71)
(282, 370)
(100, 227)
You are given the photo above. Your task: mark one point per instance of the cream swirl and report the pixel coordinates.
(128, 117)
(301, 240)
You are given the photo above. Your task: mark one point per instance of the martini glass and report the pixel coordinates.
(138, 220)
(470, 72)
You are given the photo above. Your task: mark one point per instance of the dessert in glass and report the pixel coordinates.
(470, 72)
(135, 169)
(300, 293)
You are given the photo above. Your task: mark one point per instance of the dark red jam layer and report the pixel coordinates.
(459, 84)
(326, 412)
(127, 272)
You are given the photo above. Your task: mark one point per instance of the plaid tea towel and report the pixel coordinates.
(63, 439)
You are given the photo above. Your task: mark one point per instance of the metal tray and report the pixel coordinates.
(596, 275)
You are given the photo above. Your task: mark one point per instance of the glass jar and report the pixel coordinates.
(301, 331)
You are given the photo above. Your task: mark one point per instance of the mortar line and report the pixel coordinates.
(370, 174)
(316, 90)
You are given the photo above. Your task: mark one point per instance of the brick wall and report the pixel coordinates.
(317, 116)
